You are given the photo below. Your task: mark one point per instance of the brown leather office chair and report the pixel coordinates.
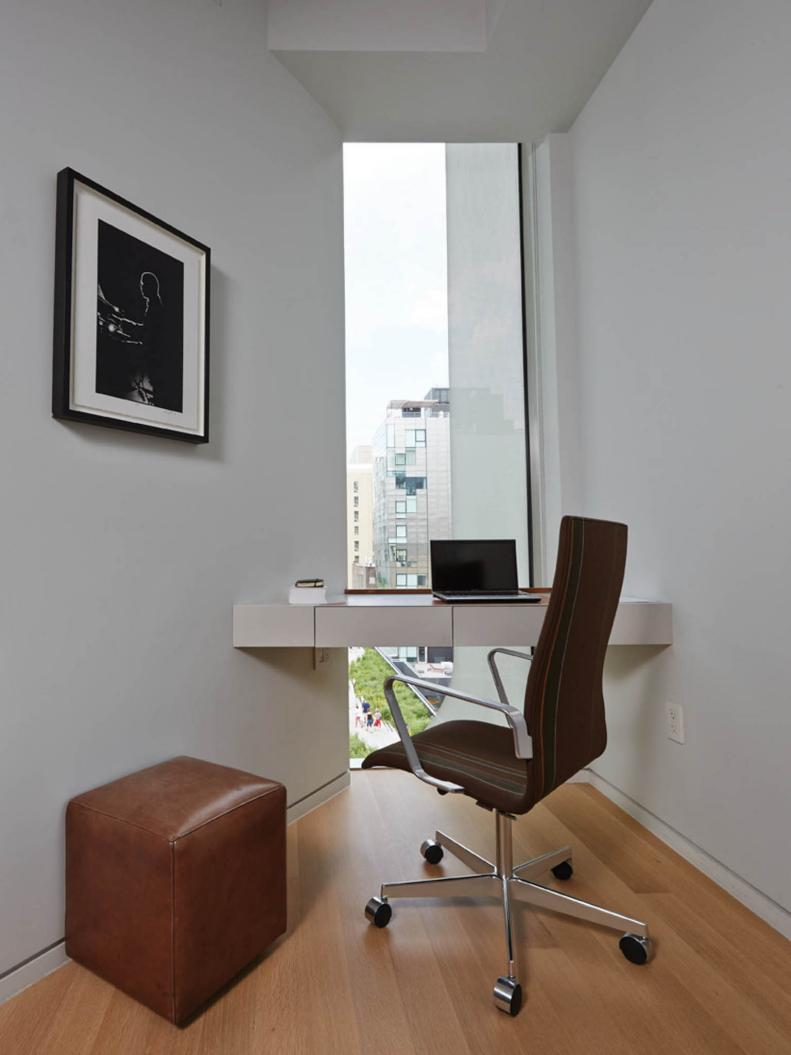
(509, 770)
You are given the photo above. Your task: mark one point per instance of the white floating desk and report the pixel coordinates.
(410, 619)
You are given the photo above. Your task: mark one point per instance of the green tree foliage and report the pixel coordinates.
(368, 675)
(357, 748)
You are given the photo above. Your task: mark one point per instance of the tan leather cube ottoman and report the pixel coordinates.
(175, 880)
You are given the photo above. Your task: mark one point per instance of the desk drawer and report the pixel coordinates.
(343, 626)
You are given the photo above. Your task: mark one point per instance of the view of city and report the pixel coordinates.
(398, 488)
(434, 389)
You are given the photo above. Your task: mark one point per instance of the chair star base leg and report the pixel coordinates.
(506, 883)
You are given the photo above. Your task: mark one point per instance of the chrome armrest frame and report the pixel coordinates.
(523, 747)
(502, 695)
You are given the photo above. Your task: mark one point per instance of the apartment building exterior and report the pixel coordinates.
(411, 488)
(360, 573)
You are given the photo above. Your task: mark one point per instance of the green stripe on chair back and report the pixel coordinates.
(564, 704)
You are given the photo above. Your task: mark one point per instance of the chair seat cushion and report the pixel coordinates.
(477, 755)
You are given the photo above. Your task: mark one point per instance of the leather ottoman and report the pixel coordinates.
(175, 880)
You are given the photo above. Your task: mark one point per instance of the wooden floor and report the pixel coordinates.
(720, 982)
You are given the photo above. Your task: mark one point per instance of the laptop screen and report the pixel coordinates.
(482, 564)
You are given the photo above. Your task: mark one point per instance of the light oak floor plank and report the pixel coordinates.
(720, 983)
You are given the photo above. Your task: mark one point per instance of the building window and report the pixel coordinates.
(357, 516)
(356, 486)
(400, 509)
(356, 547)
(356, 530)
(420, 437)
(400, 530)
(356, 501)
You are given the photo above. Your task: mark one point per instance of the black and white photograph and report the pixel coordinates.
(131, 340)
(139, 321)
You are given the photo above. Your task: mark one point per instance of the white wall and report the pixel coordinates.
(683, 223)
(122, 555)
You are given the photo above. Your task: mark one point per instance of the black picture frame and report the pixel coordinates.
(156, 408)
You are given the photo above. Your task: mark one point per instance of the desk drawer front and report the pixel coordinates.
(345, 626)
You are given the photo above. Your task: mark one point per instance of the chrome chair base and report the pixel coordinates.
(501, 880)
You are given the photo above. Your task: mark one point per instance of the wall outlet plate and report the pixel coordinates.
(675, 722)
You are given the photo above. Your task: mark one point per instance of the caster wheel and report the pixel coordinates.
(507, 995)
(563, 870)
(432, 851)
(378, 912)
(635, 949)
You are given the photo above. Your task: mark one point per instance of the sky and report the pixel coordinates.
(396, 278)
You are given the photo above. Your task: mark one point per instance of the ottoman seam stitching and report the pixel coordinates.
(174, 838)
(174, 907)
(210, 820)
(122, 820)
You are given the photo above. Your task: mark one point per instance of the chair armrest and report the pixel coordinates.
(523, 747)
(502, 695)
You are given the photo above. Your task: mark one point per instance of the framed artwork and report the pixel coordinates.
(131, 347)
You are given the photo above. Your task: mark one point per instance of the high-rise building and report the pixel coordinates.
(359, 518)
(411, 488)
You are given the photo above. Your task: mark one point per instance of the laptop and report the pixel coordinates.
(480, 570)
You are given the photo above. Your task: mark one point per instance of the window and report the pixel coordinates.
(431, 459)
(410, 484)
(406, 579)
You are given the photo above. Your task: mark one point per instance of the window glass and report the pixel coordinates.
(436, 434)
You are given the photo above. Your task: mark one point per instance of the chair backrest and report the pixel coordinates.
(564, 703)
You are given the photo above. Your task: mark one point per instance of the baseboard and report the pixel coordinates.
(41, 964)
(764, 907)
(32, 970)
(317, 798)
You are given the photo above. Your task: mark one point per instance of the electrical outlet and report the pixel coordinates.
(675, 722)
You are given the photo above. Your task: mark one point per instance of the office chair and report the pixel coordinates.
(508, 771)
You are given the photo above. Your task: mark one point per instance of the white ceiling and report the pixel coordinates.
(502, 70)
(377, 25)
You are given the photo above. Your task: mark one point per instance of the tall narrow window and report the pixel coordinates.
(435, 364)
